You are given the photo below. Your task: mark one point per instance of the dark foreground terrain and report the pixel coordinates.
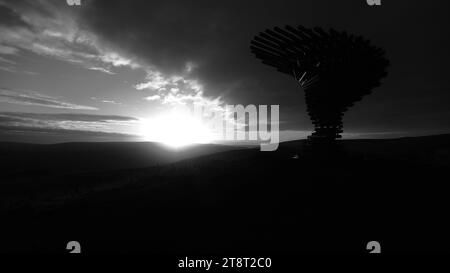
(226, 201)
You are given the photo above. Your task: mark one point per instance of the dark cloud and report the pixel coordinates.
(40, 7)
(215, 36)
(11, 18)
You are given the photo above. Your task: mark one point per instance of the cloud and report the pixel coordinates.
(206, 41)
(106, 101)
(179, 90)
(75, 124)
(67, 117)
(102, 69)
(197, 54)
(10, 17)
(3, 60)
(117, 60)
(175, 90)
(8, 69)
(36, 99)
(215, 36)
(155, 81)
(10, 66)
(153, 98)
(12, 69)
(73, 133)
(49, 28)
(7, 50)
(55, 135)
(111, 102)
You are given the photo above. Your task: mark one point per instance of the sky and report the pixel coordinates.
(99, 71)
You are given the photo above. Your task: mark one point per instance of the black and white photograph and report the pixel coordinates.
(224, 135)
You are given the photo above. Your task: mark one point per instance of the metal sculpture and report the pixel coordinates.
(335, 69)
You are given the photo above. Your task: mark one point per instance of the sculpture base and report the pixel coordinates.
(323, 149)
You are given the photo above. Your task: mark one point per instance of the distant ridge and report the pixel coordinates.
(74, 157)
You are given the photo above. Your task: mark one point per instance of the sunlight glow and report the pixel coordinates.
(176, 129)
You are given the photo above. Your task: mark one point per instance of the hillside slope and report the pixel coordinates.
(247, 201)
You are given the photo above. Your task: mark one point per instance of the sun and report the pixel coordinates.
(175, 129)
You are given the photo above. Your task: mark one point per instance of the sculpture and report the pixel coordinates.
(335, 69)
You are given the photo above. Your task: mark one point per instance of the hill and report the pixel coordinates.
(246, 201)
(77, 157)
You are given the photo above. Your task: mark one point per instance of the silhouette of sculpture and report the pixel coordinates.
(334, 68)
